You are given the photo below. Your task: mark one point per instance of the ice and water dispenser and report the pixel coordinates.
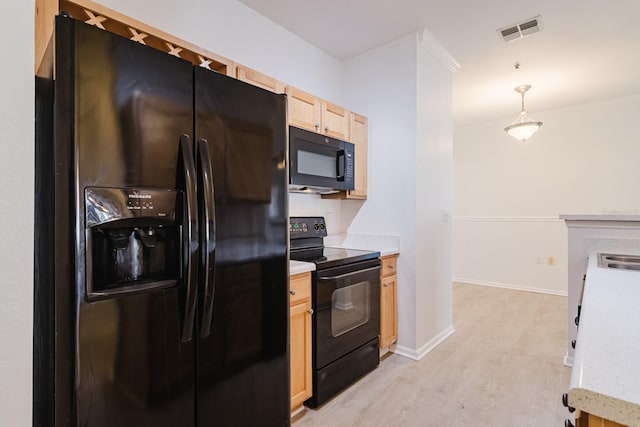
(133, 240)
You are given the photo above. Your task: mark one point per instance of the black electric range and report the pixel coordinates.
(345, 299)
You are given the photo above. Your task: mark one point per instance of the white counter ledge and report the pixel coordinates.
(605, 379)
(600, 217)
(298, 267)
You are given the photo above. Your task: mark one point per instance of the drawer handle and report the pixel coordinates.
(310, 311)
(386, 285)
(390, 267)
(292, 291)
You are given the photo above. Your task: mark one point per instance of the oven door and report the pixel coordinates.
(347, 310)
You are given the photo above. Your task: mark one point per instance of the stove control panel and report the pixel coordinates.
(307, 226)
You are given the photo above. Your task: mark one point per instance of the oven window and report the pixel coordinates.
(316, 164)
(349, 308)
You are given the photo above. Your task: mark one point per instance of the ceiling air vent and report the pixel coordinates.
(518, 31)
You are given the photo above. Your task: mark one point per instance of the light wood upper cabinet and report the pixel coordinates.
(388, 302)
(358, 130)
(335, 121)
(312, 113)
(304, 109)
(255, 78)
(300, 338)
(93, 13)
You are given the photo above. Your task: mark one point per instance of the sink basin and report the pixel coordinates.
(623, 262)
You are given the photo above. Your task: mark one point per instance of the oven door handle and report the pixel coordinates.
(340, 276)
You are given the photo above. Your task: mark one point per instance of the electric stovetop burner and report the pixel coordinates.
(307, 235)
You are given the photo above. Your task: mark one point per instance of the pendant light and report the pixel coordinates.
(523, 127)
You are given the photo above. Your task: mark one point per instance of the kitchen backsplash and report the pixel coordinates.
(314, 205)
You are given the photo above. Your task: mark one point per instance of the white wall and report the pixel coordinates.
(387, 96)
(434, 199)
(231, 29)
(508, 195)
(16, 207)
(406, 94)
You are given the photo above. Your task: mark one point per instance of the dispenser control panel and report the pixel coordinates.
(104, 204)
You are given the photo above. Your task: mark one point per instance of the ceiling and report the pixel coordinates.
(586, 50)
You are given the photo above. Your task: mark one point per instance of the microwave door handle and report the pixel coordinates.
(209, 236)
(341, 165)
(190, 238)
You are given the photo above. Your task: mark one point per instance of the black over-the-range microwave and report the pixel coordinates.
(318, 163)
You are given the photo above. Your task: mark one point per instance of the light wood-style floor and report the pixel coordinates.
(502, 367)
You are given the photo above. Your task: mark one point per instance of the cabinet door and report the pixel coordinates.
(300, 336)
(335, 121)
(258, 79)
(585, 419)
(304, 109)
(388, 312)
(358, 133)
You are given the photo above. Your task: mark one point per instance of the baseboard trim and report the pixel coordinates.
(510, 286)
(426, 348)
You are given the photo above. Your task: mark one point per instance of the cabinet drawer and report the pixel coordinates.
(299, 288)
(388, 265)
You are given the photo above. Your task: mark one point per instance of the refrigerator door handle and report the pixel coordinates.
(190, 238)
(209, 234)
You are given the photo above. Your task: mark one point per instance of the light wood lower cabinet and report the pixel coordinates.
(388, 302)
(585, 419)
(300, 338)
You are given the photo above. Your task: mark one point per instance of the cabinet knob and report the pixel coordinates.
(568, 423)
(386, 285)
(573, 344)
(317, 126)
(292, 291)
(310, 311)
(326, 128)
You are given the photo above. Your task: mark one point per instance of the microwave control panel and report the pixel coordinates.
(349, 168)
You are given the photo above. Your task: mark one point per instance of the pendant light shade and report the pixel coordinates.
(523, 127)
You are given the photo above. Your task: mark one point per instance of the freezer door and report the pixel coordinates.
(122, 358)
(243, 368)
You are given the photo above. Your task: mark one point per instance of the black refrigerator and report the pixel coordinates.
(161, 263)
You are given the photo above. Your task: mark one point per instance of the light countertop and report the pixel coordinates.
(386, 244)
(298, 267)
(605, 379)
